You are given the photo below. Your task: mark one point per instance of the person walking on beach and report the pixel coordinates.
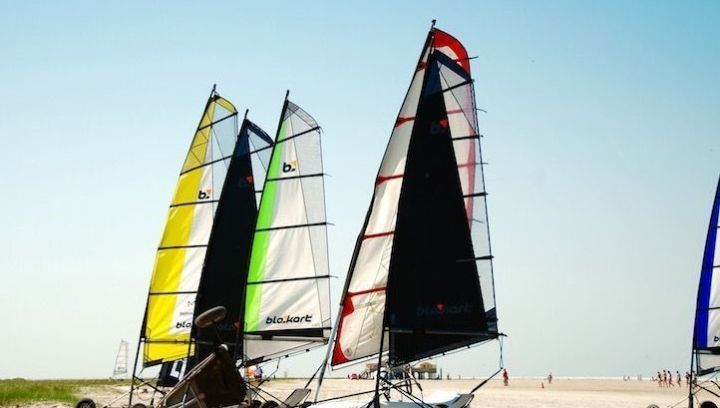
(506, 377)
(679, 379)
(659, 379)
(549, 378)
(670, 380)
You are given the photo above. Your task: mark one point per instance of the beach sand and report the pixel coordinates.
(562, 393)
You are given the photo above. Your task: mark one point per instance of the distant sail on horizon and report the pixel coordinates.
(121, 360)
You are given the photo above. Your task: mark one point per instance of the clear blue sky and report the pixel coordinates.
(602, 139)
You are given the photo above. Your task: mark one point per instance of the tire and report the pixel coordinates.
(653, 406)
(85, 403)
(708, 404)
(269, 404)
(305, 404)
(139, 405)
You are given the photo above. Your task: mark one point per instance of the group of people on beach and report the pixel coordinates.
(667, 380)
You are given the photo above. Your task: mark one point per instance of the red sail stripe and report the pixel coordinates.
(378, 235)
(400, 120)
(382, 179)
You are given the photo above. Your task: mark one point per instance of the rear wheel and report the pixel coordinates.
(85, 403)
(269, 404)
(708, 404)
(139, 405)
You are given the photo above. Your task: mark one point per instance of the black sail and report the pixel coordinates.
(434, 301)
(225, 271)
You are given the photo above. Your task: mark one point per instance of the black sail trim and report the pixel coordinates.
(470, 81)
(466, 138)
(295, 177)
(289, 279)
(182, 292)
(181, 247)
(480, 194)
(216, 122)
(299, 134)
(315, 224)
(194, 203)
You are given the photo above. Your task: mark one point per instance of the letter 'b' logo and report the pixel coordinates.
(289, 167)
(204, 195)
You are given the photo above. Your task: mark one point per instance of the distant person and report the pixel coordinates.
(549, 378)
(506, 377)
(258, 373)
(664, 378)
(687, 379)
(659, 379)
(679, 379)
(669, 377)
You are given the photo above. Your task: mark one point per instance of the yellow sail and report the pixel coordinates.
(181, 253)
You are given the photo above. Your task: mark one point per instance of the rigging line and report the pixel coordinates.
(315, 224)
(486, 381)
(216, 122)
(295, 177)
(289, 279)
(194, 203)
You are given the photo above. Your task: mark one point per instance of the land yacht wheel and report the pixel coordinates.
(85, 403)
(269, 404)
(653, 406)
(139, 405)
(708, 404)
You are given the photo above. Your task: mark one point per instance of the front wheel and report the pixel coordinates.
(85, 403)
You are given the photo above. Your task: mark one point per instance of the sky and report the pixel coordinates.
(601, 138)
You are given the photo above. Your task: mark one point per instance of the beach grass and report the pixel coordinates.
(21, 391)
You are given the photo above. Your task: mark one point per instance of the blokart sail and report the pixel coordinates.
(705, 358)
(287, 303)
(420, 281)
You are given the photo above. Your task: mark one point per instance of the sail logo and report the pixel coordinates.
(204, 194)
(441, 309)
(439, 127)
(289, 167)
(288, 319)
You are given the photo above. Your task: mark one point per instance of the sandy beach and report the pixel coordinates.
(526, 392)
